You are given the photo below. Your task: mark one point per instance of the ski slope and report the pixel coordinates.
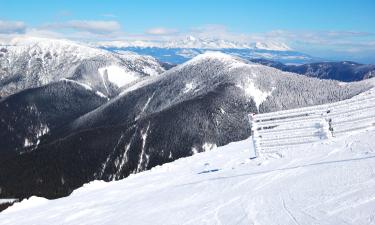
(327, 182)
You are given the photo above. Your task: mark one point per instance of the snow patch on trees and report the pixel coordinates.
(118, 75)
(27, 143)
(101, 95)
(258, 95)
(144, 157)
(188, 87)
(194, 150)
(86, 86)
(40, 130)
(208, 146)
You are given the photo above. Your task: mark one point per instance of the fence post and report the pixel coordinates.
(328, 120)
(253, 133)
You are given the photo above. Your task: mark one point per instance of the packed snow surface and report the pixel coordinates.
(327, 182)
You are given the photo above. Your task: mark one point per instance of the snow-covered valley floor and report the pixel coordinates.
(328, 182)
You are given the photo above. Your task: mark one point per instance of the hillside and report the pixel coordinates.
(32, 62)
(328, 182)
(191, 108)
(29, 114)
(342, 71)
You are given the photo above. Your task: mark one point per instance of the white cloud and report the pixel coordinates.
(305, 41)
(313, 42)
(10, 27)
(161, 31)
(91, 26)
(217, 31)
(329, 40)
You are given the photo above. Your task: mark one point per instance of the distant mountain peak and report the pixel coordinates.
(28, 40)
(272, 45)
(223, 58)
(199, 43)
(191, 38)
(28, 62)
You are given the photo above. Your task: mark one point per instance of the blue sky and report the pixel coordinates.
(333, 28)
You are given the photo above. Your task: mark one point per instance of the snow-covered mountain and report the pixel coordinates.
(190, 108)
(29, 114)
(272, 46)
(329, 182)
(200, 43)
(31, 62)
(342, 71)
(181, 55)
(180, 51)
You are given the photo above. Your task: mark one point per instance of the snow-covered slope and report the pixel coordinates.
(29, 114)
(191, 108)
(270, 89)
(329, 182)
(31, 62)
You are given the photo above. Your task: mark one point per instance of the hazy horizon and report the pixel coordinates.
(334, 30)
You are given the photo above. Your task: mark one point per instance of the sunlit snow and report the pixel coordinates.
(188, 87)
(118, 75)
(330, 182)
(258, 95)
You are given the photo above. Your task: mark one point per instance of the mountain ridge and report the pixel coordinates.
(195, 42)
(190, 108)
(32, 62)
(342, 71)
